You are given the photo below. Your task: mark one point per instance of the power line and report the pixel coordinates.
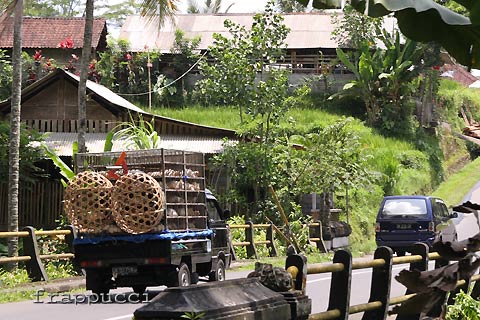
(167, 85)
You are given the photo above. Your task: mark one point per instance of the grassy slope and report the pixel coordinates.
(459, 184)
(382, 152)
(413, 173)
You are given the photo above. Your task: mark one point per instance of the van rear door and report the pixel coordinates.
(404, 220)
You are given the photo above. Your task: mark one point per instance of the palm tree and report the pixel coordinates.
(159, 9)
(14, 146)
(82, 84)
(209, 7)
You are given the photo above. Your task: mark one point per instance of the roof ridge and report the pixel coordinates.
(61, 18)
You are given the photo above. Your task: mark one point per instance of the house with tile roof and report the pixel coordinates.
(309, 45)
(46, 34)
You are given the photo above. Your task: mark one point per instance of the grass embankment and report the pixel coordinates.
(457, 186)
(395, 164)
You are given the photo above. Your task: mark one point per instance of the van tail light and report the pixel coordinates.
(431, 226)
(377, 227)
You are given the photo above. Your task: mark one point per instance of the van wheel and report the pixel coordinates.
(219, 273)
(400, 253)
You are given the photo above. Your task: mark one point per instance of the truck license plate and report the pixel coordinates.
(124, 271)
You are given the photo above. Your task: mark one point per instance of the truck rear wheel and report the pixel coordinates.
(139, 289)
(219, 273)
(183, 275)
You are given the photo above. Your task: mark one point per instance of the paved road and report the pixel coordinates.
(318, 287)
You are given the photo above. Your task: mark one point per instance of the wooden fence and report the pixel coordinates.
(40, 204)
(379, 302)
(31, 252)
(341, 268)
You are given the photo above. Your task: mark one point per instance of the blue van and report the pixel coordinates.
(404, 220)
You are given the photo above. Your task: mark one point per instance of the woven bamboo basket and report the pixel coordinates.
(137, 202)
(87, 202)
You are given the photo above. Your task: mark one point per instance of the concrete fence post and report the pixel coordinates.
(35, 268)
(271, 237)
(296, 265)
(381, 284)
(420, 249)
(340, 284)
(249, 237)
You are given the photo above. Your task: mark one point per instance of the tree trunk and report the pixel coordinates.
(14, 146)
(82, 85)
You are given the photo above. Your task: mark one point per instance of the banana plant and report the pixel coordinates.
(427, 21)
(65, 170)
(141, 135)
(382, 76)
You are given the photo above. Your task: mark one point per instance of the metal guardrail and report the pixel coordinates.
(251, 244)
(377, 307)
(36, 271)
(32, 257)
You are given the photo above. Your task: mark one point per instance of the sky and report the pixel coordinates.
(239, 6)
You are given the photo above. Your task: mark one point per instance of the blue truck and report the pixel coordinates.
(194, 237)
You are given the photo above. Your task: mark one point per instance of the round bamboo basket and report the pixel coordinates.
(137, 202)
(87, 202)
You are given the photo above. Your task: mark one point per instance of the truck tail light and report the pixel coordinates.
(91, 264)
(156, 261)
(377, 227)
(431, 226)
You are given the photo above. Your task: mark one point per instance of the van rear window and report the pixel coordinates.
(404, 208)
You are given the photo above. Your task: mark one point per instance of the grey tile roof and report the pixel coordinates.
(62, 143)
(307, 30)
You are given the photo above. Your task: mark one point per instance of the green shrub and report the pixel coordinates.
(465, 308)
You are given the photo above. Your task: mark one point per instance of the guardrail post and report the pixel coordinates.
(249, 237)
(35, 269)
(318, 232)
(420, 249)
(340, 284)
(437, 309)
(381, 283)
(453, 294)
(475, 294)
(230, 244)
(299, 272)
(69, 241)
(270, 237)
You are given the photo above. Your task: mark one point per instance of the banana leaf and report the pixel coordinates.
(426, 21)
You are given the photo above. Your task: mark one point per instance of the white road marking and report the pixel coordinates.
(127, 316)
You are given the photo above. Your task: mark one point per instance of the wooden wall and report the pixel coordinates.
(40, 205)
(59, 101)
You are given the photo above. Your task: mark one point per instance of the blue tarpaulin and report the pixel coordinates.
(139, 238)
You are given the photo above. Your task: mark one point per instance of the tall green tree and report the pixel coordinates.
(242, 75)
(288, 6)
(82, 84)
(49, 8)
(158, 10)
(353, 29)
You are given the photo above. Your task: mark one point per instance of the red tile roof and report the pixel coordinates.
(459, 74)
(41, 33)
